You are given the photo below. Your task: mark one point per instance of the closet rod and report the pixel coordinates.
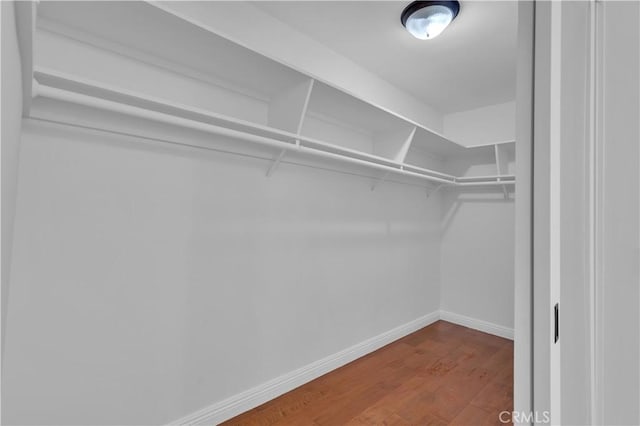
(502, 178)
(208, 148)
(492, 183)
(93, 102)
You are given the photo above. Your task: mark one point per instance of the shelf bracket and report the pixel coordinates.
(379, 181)
(501, 167)
(276, 163)
(506, 192)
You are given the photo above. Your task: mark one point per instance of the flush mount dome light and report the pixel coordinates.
(427, 19)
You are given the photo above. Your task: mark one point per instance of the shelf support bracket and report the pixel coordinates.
(505, 191)
(276, 163)
(379, 181)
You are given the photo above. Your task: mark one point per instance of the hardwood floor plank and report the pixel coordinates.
(428, 406)
(494, 396)
(351, 406)
(475, 416)
(382, 416)
(441, 374)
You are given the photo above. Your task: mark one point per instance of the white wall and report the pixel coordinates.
(477, 249)
(11, 123)
(481, 126)
(618, 288)
(477, 269)
(150, 281)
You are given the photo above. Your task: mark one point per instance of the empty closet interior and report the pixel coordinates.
(214, 196)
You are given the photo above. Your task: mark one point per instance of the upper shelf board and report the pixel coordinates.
(143, 27)
(331, 103)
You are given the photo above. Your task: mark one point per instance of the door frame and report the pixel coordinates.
(538, 252)
(523, 276)
(538, 134)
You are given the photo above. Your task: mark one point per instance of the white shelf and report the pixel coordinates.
(144, 28)
(343, 120)
(154, 53)
(155, 65)
(433, 151)
(505, 153)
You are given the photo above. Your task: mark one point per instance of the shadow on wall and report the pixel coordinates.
(472, 165)
(456, 198)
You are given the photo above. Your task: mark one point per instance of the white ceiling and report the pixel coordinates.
(471, 64)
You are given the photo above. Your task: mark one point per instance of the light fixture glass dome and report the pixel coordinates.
(427, 19)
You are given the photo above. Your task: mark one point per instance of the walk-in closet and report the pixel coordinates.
(217, 203)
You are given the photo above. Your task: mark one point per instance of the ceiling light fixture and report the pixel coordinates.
(427, 19)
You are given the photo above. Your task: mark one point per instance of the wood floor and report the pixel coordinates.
(442, 374)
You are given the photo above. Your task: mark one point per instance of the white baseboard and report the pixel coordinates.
(258, 395)
(476, 324)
